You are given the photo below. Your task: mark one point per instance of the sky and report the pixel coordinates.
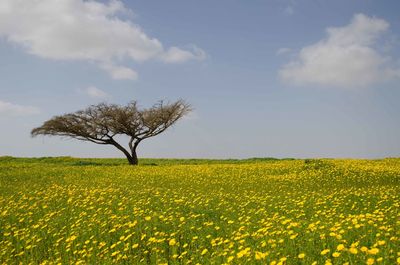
(277, 78)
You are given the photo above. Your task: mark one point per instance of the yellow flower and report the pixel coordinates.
(373, 251)
(172, 242)
(325, 251)
(147, 218)
(370, 261)
(364, 249)
(244, 252)
(230, 258)
(259, 255)
(335, 254)
(340, 247)
(204, 251)
(71, 238)
(353, 250)
(301, 256)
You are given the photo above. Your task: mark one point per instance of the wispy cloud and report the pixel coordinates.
(11, 109)
(85, 30)
(177, 55)
(289, 10)
(95, 92)
(281, 51)
(346, 57)
(119, 72)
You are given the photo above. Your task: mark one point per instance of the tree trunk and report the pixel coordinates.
(135, 159)
(132, 159)
(133, 148)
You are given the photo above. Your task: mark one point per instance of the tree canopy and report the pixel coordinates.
(101, 123)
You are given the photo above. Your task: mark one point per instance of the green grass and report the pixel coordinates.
(255, 211)
(72, 161)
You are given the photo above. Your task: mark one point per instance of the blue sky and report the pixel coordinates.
(266, 78)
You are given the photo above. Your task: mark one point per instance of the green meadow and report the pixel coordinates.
(169, 211)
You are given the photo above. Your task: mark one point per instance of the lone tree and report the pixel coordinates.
(101, 123)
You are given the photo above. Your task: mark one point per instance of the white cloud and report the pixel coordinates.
(346, 57)
(95, 92)
(176, 55)
(10, 109)
(281, 51)
(84, 30)
(119, 72)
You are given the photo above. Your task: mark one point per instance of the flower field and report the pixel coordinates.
(101, 211)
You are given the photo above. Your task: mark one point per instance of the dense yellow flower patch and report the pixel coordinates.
(265, 212)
